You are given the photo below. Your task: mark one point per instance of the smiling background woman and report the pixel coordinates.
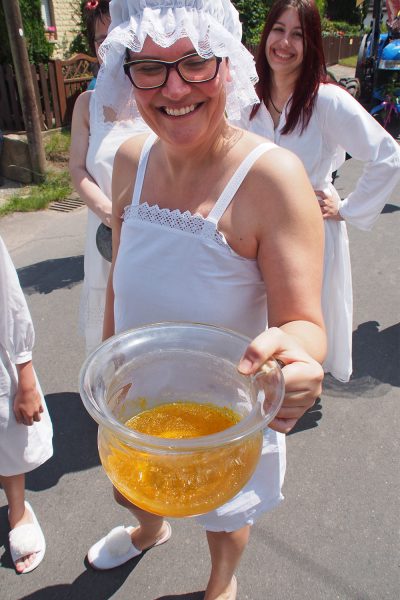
(206, 229)
(320, 122)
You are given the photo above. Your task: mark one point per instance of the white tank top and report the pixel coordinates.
(174, 266)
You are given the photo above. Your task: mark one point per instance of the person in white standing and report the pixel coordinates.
(206, 229)
(25, 427)
(320, 122)
(92, 152)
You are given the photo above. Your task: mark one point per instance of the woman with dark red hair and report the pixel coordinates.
(319, 122)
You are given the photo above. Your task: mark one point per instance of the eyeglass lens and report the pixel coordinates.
(149, 74)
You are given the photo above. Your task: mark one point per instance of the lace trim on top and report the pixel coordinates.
(175, 219)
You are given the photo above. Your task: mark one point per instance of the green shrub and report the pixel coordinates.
(344, 10)
(39, 48)
(339, 28)
(252, 15)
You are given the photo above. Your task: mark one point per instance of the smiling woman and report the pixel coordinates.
(319, 121)
(199, 207)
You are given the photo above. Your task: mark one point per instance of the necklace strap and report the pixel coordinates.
(277, 110)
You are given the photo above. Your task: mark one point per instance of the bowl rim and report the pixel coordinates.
(155, 444)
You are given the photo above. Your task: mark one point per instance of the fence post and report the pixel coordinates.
(62, 100)
(19, 52)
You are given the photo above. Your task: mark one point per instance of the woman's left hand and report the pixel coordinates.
(303, 375)
(329, 205)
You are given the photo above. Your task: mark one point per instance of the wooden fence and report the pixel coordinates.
(57, 85)
(337, 48)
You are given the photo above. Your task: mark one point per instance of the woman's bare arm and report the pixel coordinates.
(123, 180)
(84, 184)
(290, 256)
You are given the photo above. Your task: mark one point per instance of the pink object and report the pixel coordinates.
(393, 9)
(92, 4)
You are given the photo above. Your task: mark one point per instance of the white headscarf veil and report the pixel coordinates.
(212, 26)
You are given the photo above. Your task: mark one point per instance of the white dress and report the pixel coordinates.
(22, 447)
(339, 124)
(104, 142)
(174, 266)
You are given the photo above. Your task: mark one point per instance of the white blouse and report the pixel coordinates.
(339, 124)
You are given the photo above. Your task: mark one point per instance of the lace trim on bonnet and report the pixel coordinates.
(212, 26)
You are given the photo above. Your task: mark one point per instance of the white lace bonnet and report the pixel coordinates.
(212, 26)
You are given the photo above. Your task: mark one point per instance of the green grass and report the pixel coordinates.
(56, 186)
(57, 145)
(351, 61)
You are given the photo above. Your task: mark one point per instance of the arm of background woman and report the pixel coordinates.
(349, 125)
(83, 183)
(123, 179)
(290, 256)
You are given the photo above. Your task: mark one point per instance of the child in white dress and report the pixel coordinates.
(25, 426)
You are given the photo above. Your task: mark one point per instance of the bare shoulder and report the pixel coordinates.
(279, 166)
(81, 105)
(124, 170)
(280, 172)
(273, 177)
(130, 149)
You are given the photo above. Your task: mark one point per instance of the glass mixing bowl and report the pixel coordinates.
(178, 362)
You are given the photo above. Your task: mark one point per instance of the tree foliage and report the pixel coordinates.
(344, 10)
(39, 48)
(252, 15)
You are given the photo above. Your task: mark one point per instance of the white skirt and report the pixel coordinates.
(92, 303)
(261, 494)
(337, 300)
(22, 448)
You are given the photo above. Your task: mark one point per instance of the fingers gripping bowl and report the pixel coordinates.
(183, 363)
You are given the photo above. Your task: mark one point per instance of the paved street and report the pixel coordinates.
(336, 534)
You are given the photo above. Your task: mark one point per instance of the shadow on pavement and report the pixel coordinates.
(390, 208)
(191, 596)
(89, 585)
(74, 441)
(310, 418)
(375, 370)
(53, 274)
(375, 362)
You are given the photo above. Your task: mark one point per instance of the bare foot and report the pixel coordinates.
(228, 594)
(24, 562)
(143, 540)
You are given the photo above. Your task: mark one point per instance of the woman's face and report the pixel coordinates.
(182, 113)
(285, 47)
(100, 33)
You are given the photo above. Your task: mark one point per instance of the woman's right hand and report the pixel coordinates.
(303, 375)
(329, 205)
(106, 215)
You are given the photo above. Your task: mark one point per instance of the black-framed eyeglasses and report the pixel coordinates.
(149, 74)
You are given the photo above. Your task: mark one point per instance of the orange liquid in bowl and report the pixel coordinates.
(184, 484)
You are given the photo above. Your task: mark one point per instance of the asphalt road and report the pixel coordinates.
(336, 534)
